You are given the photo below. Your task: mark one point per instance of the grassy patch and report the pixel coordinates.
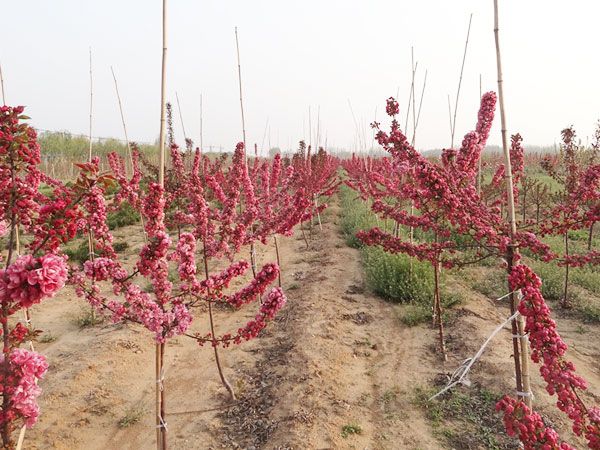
(350, 429)
(120, 246)
(464, 418)
(122, 217)
(132, 416)
(79, 254)
(89, 318)
(355, 216)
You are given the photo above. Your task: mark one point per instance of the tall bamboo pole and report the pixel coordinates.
(181, 117)
(2, 86)
(237, 46)
(201, 128)
(462, 68)
(161, 429)
(90, 234)
(479, 180)
(520, 344)
(129, 152)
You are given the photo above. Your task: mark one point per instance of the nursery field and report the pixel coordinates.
(339, 368)
(159, 295)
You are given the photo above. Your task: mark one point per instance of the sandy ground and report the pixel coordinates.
(335, 357)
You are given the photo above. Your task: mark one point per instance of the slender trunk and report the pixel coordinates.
(590, 237)
(524, 204)
(304, 236)
(253, 259)
(278, 260)
(226, 383)
(7, 428)
(513, 300)
(437, 305)
(565, 300)
(318, 213)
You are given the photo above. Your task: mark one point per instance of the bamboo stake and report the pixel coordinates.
(262, 144)
(2, 86)
(479, 180)
(520, 344)
(237, 46)
(414, 106)
(181, 117)
(462, 68)
(161, 429)
(419, 113)
(91, 105)
(450, 115)
(412, 89)
(438, 313)
(129, 152)
(201, 125)
(90, 234)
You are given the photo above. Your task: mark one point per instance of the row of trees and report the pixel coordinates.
(206, 210)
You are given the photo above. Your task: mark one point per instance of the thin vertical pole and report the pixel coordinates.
(161, 430)
(237, 46)
(91, 105)
(181, 117)
(521, 356)
(201, 130)
(462, 68)
(2, 86)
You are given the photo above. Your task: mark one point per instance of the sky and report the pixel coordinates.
(338, 59)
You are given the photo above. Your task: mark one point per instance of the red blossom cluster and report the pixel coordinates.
(548, 350)
(529, 426)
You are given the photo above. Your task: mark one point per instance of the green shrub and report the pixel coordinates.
(79, 254)
(120, 246)
(586, 278)
(356, 216)
(124, 216)
(391, 276)
(413, 315)
(552, 279)
(493, 285)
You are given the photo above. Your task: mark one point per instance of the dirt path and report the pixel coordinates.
(337, 369)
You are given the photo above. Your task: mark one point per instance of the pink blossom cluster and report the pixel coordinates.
(26, 281)
(273, 302)
(18, 379)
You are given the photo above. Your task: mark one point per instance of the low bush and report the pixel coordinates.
(122, 217)
(393, 278)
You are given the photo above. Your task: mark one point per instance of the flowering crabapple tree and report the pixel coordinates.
(577, 202)
(41, 271)
(448, 204)
(210, 228)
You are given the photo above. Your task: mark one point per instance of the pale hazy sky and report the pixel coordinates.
(300, 54)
